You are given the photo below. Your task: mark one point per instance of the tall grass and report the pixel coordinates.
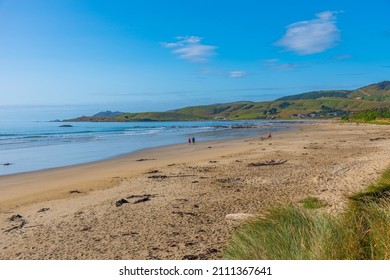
(289, 233)
(312, 202)
(362, 231)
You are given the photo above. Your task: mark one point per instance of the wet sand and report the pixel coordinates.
(178, 198)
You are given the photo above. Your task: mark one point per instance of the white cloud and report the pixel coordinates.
(191, 49)
(237, 74)
(311, 36)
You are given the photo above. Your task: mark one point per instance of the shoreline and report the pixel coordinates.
(17, 189)
(179, 205)
(49, 156)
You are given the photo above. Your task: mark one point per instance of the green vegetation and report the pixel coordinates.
(312, 202)
(316, 104)
(361, 232)
(157, 116)
(317, 94)
(375, 115)
(375, 92)
(289, 233)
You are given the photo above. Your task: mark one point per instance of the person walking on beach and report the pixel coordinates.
(189, 140)
(193, 140)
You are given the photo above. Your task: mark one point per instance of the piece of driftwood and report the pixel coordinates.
(74, 191)
(145, 159)
(182, 175)
(170, 176)
(141, 197)
(152, 171)
(268, 162)
(378, 138)
(144, 199)
(20, 226)
(16, 217)
(158, 177)
(121, 202)
(137, 196)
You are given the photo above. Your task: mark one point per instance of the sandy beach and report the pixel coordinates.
(175, 202)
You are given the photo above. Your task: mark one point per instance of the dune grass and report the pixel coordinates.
(289, 233)
(362, 231)
(312, 202)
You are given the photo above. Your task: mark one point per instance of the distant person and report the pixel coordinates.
(189, 140)
(269, 135)
(193, 140)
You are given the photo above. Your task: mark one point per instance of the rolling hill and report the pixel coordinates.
(374, 92)
(314, 104)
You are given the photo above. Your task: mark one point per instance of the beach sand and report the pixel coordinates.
(179, 197)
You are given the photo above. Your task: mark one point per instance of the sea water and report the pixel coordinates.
(30, 146)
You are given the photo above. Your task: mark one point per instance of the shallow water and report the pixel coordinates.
(30, 146)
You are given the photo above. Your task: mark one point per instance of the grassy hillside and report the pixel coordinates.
(315, 104)
(280, 109)
(317, 94)
(159, 116)
(374, 92)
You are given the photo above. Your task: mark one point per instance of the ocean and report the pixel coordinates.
(30, 146)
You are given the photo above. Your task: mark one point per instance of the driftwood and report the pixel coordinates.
(268, 162)
(144, 199)
(152, 171)
(169, 176)
(378, 138)
(74, 191)
(141, 198)
(157, 177)
(20, 226)
(182, 175)
(121, 202)
(16, 217)
(137, 195)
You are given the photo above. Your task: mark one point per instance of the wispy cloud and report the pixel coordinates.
(191, 49)
(237, 74)
(222, 73)
(311, 36)
(277, 65)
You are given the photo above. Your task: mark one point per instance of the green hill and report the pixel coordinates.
(317, 94)
(315, 104)
(374, 92)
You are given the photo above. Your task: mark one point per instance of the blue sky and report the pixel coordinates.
(78, 57)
